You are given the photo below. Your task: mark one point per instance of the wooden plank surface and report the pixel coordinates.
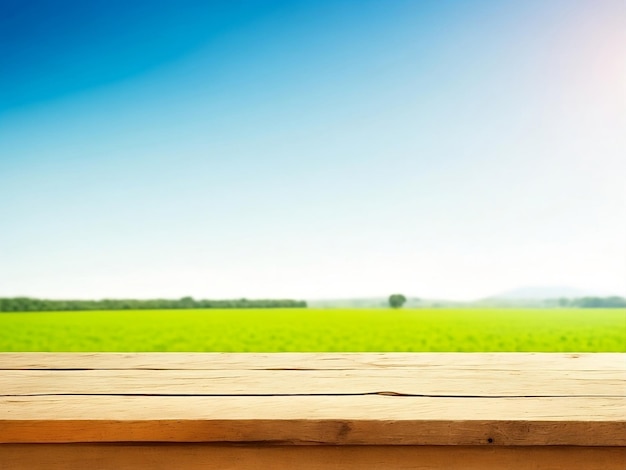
(196, 457)
(315, 361)
(429, 382)
(325, 407)
(315, 420)
(374, 399)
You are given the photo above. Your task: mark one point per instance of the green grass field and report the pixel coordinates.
(581, 330)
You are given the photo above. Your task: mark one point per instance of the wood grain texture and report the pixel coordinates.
(196, 457)
(443, 382)
(484, 433)
(365, 407)
(316, 361)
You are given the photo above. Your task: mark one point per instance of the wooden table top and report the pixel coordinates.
(491, 399)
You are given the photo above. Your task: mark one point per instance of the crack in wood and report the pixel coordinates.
(357, 394)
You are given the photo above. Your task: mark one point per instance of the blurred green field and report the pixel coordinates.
(328, 330)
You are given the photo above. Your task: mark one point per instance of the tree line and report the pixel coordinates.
(398, 300)
(594, 302)
(29, 304)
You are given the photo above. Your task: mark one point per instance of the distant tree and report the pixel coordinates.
(186, 302)
(396, 300)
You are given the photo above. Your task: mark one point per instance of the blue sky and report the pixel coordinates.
(311, 149)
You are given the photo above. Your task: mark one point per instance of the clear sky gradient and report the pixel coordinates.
(311, 149)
